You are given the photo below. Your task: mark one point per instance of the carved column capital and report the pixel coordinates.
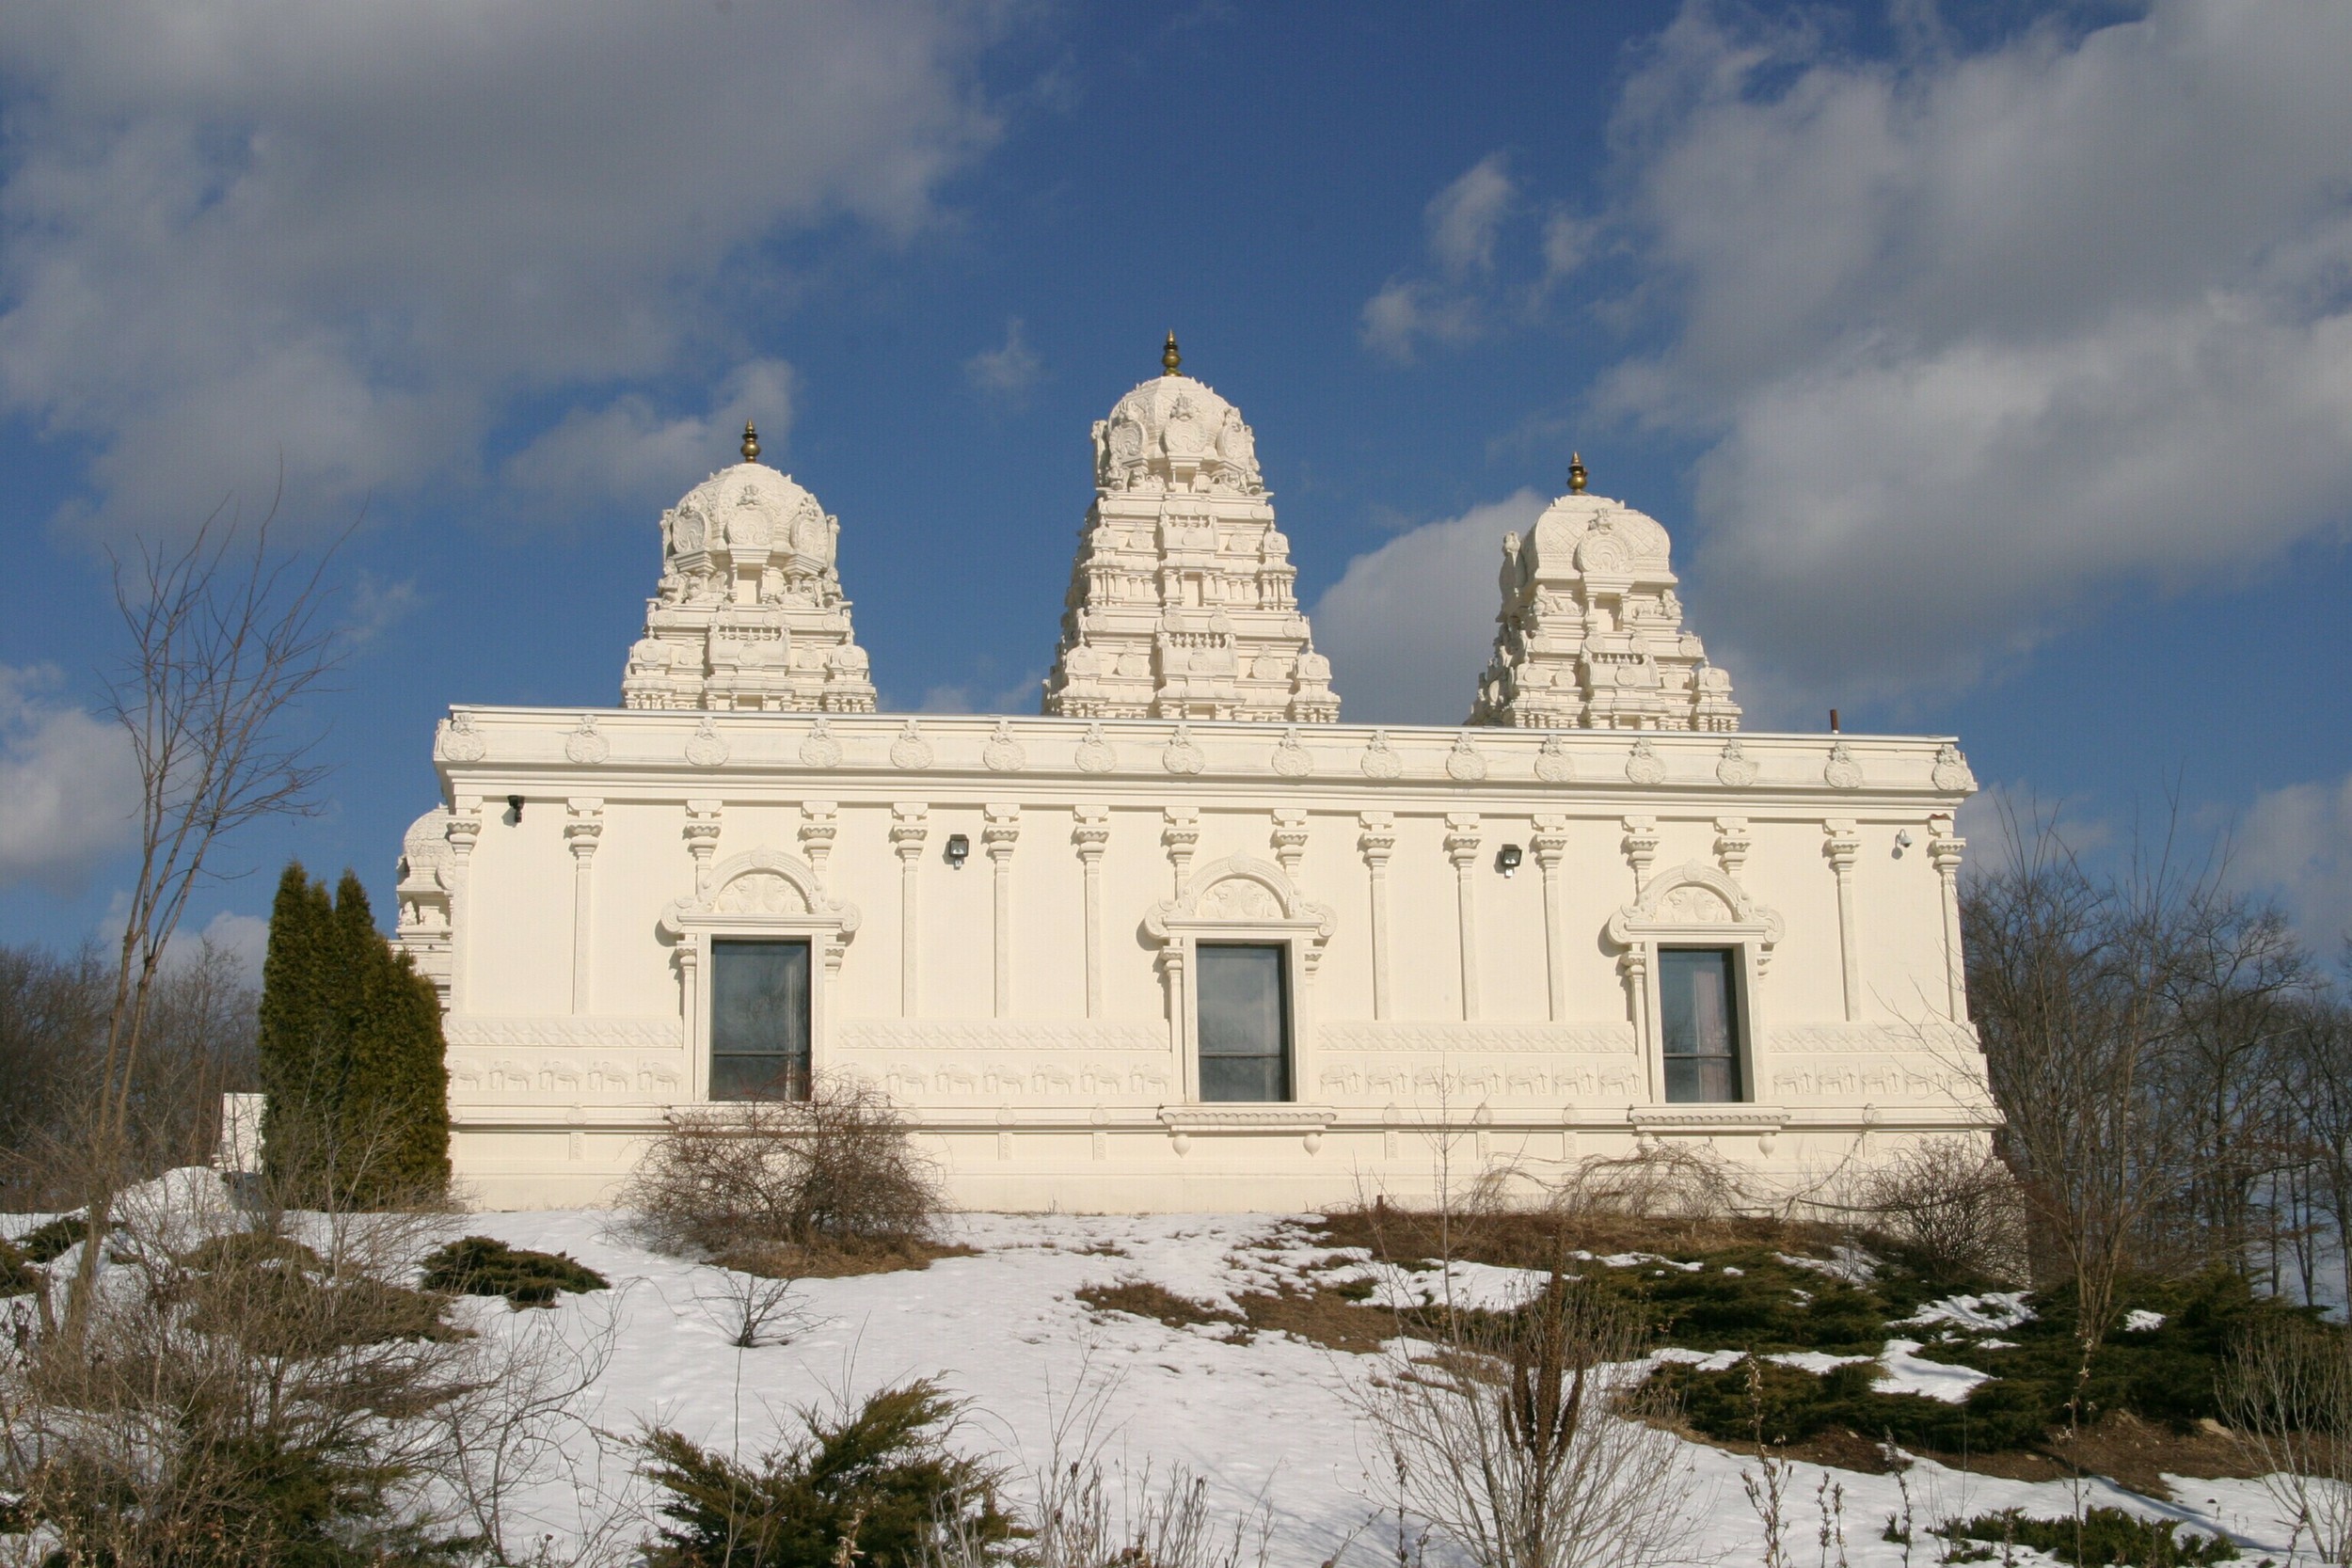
(1377, 839)
(1462, 837)
(1290, 837)
(1549, 844)
(1092, 832)
(1733, 840)
(1840, 843)
(1180, 832)
(909, 825)
(1640, 849)
(1000, 831)
(584, 824)
(1945, 846)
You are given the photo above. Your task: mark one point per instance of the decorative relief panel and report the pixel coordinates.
(562, 1032)
(968, 1082)
(910, 751)
(1429, 1086)
(1368, 1035)
(986, 1034)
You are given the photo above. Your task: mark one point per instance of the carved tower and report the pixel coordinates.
(1182, 601)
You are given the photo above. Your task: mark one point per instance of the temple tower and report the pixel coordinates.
(750, 614)
(1182, 601)
(1590, 634)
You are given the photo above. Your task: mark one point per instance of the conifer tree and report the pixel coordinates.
(351, 1045)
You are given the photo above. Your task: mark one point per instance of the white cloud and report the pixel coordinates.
(1011, 369)
(1409, 625)
(1465, 216)
(1463, 222)
(68, 781)
(376, 605)
(2296, 842)
(630, 453)
(351, 236)
(1976, 336)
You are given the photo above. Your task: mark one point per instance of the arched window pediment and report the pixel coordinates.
(1694, 899)
(763, 887)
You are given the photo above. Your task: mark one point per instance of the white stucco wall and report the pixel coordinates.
(566, 943)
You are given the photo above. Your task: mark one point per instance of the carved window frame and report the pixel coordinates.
(1664, 915)
(826, 923)
(1297, 925)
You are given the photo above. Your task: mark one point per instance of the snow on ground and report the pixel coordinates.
(1995, 1309)
(1269, 1418)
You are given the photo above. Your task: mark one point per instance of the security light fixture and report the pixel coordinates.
(514, 809)
(1507, 859)
(959, 850)
(1902, 840)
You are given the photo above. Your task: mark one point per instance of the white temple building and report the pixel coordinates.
(1185, 941)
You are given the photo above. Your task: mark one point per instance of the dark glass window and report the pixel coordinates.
(1245, 1023)
(759, 1021)
(1699, 1000)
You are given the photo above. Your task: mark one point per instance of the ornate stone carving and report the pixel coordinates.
(1465, 762)
(1552, 764)
(1841, 771)
(1291, 759)
(458, 740)
(1242, 890)
(1003, 754)
(1694, 895)
(1609, 1039)
(584, 745)
(766, 890)
(1952, 774)
(1735, 768)
(1591, 634)
(1095, 754)
(1182, 600)
(707, 747)
(760, 893)
(1644, 765)
(1379, 761)
(749, 612)
(1238, 898)
(910, 751)
(1010, 1037)
(1182, 755)
(819, 748)
(475, 1032)
(1290, 838)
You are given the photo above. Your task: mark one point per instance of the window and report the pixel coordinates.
(759, 1021)
(1244, 1022)
(1699, 1005)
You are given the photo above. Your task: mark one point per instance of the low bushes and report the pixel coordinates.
(46, 1244)
(2104, 1536)
(768, 1184)
(878, 1485)
(484, 1266)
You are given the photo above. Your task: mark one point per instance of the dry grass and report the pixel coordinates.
(1533, 1239)
(1142, 1298)
(1329, 1318)
(831, 1258)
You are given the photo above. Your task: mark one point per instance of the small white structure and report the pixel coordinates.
(1185, 942)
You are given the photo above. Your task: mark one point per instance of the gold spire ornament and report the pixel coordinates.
(1576, 474)
(750, 443)
(1169, 358)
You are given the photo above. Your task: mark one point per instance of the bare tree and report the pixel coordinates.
(1524, 1437)
(2287, 1391)
(227, 637)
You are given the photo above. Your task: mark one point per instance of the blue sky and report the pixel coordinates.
(1992, 372)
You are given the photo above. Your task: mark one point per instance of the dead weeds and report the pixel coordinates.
(838, 1260)
(1536, 1239)
(1329, 1318)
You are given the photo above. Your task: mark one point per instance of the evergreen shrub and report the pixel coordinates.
(485, 1266)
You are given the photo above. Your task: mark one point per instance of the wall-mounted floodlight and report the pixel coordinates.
(1507, 859)
(1903, 841)
(959, 850)
(514, 809)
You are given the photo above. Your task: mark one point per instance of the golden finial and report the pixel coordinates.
(750, 443)
(1576, 474)
(1169, 358)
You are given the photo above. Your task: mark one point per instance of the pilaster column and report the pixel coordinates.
(1378, 840)
(910, 828)
(691, 1017)
(1945, 849)
(1641, 850)
(1180, 833)
(463, 832)
(702, 840)
(1549, 845)
(1290, 838)
(1090, 834)
(584, 824)
(1461, 847)
(1841, 848)
(819, 822)
(1633, 963)
(999, 832)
